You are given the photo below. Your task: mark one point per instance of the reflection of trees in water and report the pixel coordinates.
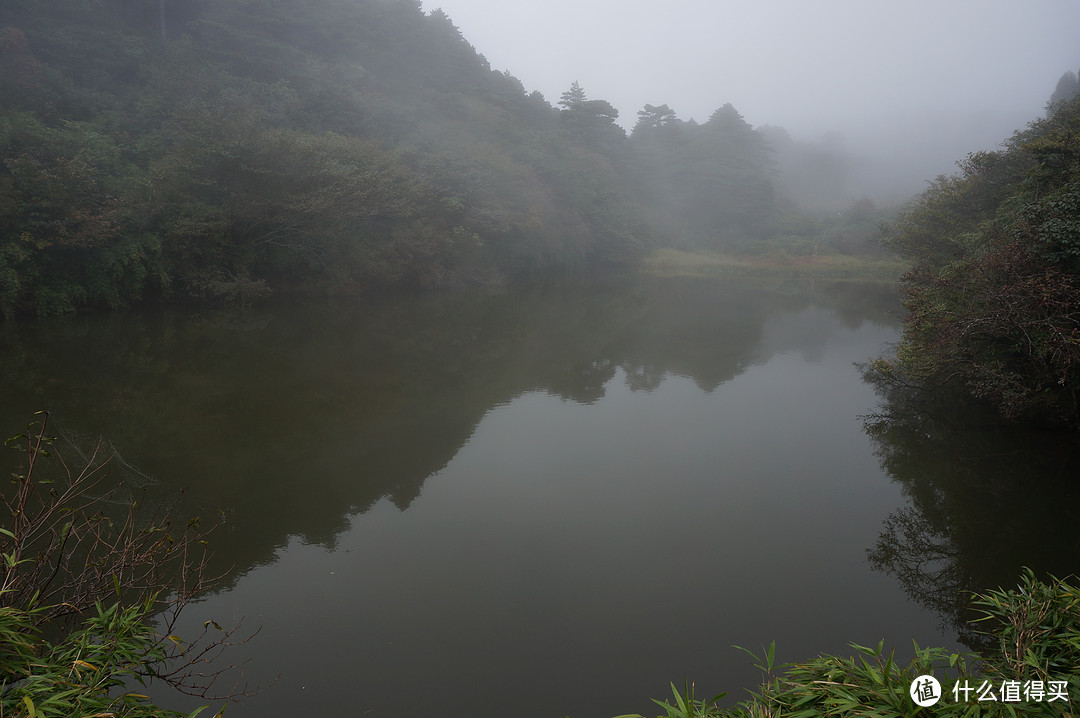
(985, 500)
(925, 561)
(643, 377)
(299, 416)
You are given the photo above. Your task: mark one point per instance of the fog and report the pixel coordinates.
(913, 86)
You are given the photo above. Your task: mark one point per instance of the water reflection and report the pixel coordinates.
(555, 499)
(297, 416)
(984, 500)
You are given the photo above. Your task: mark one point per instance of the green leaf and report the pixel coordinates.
(808, 713)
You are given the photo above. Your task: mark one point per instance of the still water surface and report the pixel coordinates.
(546, 502)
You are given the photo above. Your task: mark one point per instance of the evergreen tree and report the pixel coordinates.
(573, 98)
(590, 121)
(1068, 86)
(653, 118)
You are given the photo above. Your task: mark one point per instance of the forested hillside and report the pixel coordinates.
(195, 149)
(994, 297)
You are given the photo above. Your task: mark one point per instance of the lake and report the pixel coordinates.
(552, 500)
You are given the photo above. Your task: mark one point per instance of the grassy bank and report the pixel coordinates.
(668, 262)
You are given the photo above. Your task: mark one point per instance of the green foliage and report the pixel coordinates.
(82, 585)
(65, 231)
(86, 674)
(994, 300)
(1038, 630)
(1037, 625)
(685, 704)
(942, 226)
(221, 150)
(590, 121)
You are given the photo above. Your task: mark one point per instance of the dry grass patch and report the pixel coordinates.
(669, 262)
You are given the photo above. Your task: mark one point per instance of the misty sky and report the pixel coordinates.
(919, 78)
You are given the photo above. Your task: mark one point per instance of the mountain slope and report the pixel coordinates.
(188, 148)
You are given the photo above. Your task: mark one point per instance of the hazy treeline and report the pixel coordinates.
(188, 148)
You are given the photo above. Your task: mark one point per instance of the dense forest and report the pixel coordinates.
(219, 150)
(993, 298)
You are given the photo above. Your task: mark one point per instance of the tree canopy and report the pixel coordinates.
(218, 150)
(993, 301)
(222, 150)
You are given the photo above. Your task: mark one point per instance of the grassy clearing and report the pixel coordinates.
(668, 262)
